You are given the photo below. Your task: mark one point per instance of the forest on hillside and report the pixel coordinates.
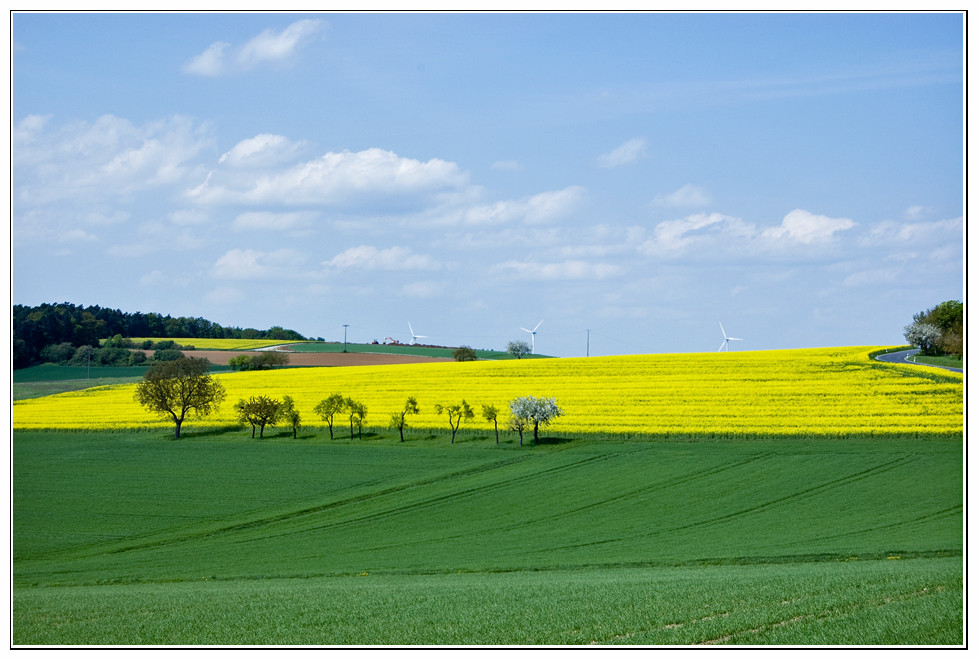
(38, 327)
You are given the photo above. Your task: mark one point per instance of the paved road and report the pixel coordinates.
(904, 356)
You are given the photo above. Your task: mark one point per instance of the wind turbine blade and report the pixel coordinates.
(721, 346)
(525, 330)
(735, 339)
(538, 325)
(722, 331)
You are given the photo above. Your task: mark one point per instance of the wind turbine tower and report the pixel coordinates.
(414, 336)
(533, 337)
(726, 340)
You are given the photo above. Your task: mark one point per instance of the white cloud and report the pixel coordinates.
(334, 178)
(269, 47)
(368, 257)
(109, 158)
(675, 235)
(538, 209)
(251, 264)
(572, 269)
(688, 195)
(263, 149)
(627, 153)
(212, 62)
(890, 232)
(804, 227)
(278, 46)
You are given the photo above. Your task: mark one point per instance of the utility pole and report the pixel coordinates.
(345, 326)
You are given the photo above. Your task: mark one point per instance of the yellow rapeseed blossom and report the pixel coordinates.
(828, 392)
(205, 344)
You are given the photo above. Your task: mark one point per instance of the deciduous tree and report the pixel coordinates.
(179, 388)
(357, 412)
(399, 419)
(327, 409)
(259, 411)
(291, 415)
(464, 354)
(490, 414)
(456, 413)
(518, 348)
(526, 411)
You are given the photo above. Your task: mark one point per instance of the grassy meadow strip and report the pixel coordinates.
(831, 392)
(129, 538)
(855, 603)
(205, 344)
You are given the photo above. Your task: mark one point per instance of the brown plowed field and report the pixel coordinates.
(322, 359)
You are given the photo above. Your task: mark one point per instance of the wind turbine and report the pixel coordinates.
(726, 340)
(414, 336)
(533, 336)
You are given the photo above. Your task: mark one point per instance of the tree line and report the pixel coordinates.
(938, 330)
(184, 387)
(37, 327)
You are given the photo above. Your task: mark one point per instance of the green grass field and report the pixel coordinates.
(940, 361)
(133, 538)
(47, 379)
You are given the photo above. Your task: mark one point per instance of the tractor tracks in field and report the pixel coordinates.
(154, 542)
(763, 507)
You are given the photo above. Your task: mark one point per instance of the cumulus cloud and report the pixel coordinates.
(269, 47)
(890, 232)
(676, 235)
(804, 227)
(537, 209)
(688, 195)
(108, 158)
(251, 264)
(334, 178)
(368, 257)
(263, 149)
(627, 153)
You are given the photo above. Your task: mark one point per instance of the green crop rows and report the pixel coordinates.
(131, 538)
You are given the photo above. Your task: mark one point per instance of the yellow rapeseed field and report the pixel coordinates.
(827, 392)
(219, 344)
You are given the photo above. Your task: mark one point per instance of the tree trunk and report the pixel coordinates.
(536, 435)
(179, 422)
(330, 423)
(496, 425)
(401, 429)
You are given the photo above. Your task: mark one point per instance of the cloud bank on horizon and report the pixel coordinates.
(478, 173)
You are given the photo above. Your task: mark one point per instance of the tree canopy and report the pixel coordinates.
(179, 388)
(939, 329)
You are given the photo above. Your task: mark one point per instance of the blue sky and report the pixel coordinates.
(645, 177)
